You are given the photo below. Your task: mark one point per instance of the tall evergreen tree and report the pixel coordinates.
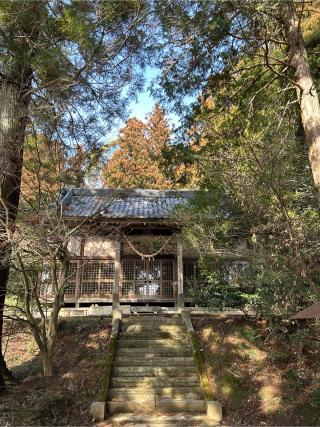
(64, 64)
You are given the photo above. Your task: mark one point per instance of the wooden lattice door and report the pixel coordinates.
(147, 279)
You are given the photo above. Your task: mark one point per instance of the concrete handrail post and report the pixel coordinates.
(98, 408)
(214, 408)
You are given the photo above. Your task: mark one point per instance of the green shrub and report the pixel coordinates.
(217, 292)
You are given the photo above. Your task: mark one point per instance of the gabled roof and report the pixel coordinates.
(122, 204)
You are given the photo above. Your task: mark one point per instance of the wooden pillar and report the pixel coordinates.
(116, 289)
(77, 291)
(180, 301)
(80, 253)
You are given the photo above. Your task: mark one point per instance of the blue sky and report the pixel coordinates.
(143, 105)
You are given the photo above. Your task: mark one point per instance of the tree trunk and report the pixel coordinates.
(12, 132)
(47, 363)
(306, 91)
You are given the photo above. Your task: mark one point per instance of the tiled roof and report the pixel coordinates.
(108, 203)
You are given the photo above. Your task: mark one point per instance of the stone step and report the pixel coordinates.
(150, 319)
(142, 352)
(160, 407)
(179, 392)
(138, 407)
(157, 393)
(153, 361)
(153, 371)
(152, 343)
(179, 419)
(152, 327)
(165, 381)
(153, 334)
(131, 381)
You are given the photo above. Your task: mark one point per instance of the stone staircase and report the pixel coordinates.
(154, 379)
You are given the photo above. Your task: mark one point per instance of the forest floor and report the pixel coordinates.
(66, 398)
(259, 380)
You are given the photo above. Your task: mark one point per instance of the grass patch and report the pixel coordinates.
(233, 388)
(249, 333)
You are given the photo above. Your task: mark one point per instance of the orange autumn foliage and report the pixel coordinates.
(136, 156)
(47, 168)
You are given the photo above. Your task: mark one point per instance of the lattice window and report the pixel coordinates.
(128, 267)
(46, 279)
(167, 289)
(98, 277)
(127, 288)
(72, 278)
(107, 277)
(140, 272)
(154, 288)
(191, 276)
(167, 270)
(154, 270)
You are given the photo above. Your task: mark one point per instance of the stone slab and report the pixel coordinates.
(98, 410)
(177, 381)
(140, 394)
(150, 319)
(214, 410)
(145, 328)
(137, 394)
(180, 420)
(190, 392)
(100, 310)
(153, 361)
(73, 312)
(78, 312)
(173, 371)
(167, 406)
(145, 309)
(125, 309)
(133, 407)
(134, 371)
(170, 352)
(226, 313)
(154, 334)
(151, 343)
(168, 373)
(132, 381)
